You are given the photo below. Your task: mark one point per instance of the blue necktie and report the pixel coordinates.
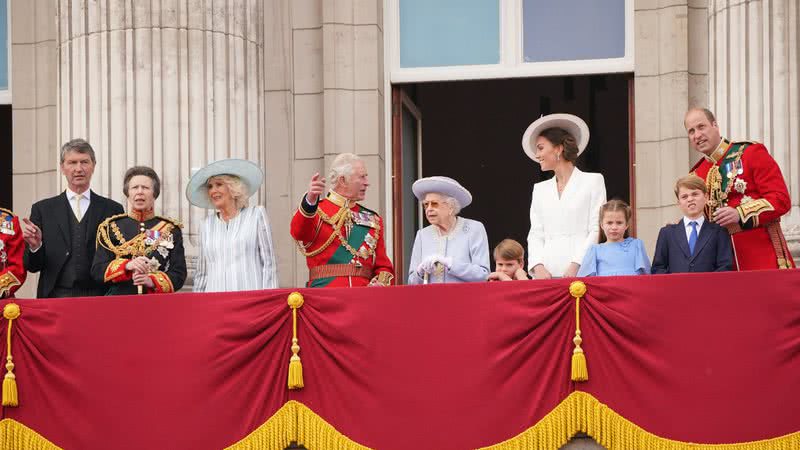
(692, 237)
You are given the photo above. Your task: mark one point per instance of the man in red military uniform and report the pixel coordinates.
(12, 247)
(746, 193)
(343, 242)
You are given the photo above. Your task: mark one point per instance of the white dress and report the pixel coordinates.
(238, 255)
(563, 229)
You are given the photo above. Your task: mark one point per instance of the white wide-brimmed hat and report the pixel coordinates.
(197, 192)
(442, 185)
(573, 125)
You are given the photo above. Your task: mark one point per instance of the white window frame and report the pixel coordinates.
(512, 64)
(5, 94)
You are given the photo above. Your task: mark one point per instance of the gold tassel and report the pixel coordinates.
(10, 395)
(579, 370)
(295, 366)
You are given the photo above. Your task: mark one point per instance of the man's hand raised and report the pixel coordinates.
(315, 189)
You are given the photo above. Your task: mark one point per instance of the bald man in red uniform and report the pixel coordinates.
(746, 190)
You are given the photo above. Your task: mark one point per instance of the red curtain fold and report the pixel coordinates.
(708, 358)
(711, 358)
(176, 371)
(456, 366)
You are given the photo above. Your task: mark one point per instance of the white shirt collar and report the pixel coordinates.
(700, 220)
(71, 195)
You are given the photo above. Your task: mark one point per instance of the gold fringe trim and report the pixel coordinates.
(295, 422)
(16, 436)
(581, 412)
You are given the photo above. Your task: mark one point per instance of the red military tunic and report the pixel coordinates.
(12, 246)
(343, 243)
(745, 177)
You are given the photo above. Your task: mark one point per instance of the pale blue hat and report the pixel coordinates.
(442, 185)
(251, 175)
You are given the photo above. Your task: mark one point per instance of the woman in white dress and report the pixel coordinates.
(451, 249)
(236, 251)
(564, 209)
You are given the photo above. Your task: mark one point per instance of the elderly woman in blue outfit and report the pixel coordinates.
(451, 249)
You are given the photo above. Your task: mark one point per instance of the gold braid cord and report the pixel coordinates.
(342, 218)
(134, 247)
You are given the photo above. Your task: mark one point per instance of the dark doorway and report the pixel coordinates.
(473, 133)
(6, 194)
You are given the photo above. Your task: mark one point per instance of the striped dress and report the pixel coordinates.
(238, 255)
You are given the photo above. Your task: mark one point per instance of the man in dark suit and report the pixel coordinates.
(694, 244)
(60, 234)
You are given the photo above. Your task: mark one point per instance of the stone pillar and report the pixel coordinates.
(754, 83)
(33, 74)
(324, 95)
(165, 83)
(670, 75)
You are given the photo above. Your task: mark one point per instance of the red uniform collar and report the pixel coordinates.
(142, 216)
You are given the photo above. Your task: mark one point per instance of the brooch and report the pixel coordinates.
(740, 185)
(163, 251)
(167, 242)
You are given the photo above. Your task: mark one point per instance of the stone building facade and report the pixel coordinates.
(291, 83)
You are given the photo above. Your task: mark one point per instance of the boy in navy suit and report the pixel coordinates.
(694, 244)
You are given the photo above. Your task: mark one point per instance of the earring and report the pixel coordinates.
(558, 156)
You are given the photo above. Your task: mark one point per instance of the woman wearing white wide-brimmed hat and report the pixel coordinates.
(451, 249)
(236, 251)
(564, 209)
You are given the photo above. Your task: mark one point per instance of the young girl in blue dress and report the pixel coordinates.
(617, 253)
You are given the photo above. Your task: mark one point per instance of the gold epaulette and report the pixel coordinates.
(112, 218)
(174, 222)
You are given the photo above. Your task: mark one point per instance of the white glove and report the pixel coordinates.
(446, 261)
(427, 265)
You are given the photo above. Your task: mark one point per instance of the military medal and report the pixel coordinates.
(151, 236)
(7, 226)
(370, 241)
(3, 256)
(364, 218)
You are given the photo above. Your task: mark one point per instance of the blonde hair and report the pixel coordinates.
(510, 250)
(690, 182)
(613, 206)
(237, 189)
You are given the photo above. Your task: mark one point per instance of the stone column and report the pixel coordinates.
(33, 74)
(324, 96)
(754, 83)
(165, 83)
(670, 75)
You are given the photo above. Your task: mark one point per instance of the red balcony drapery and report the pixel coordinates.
(706, 358)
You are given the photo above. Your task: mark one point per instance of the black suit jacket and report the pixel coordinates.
(51, 215)
(712, 252)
